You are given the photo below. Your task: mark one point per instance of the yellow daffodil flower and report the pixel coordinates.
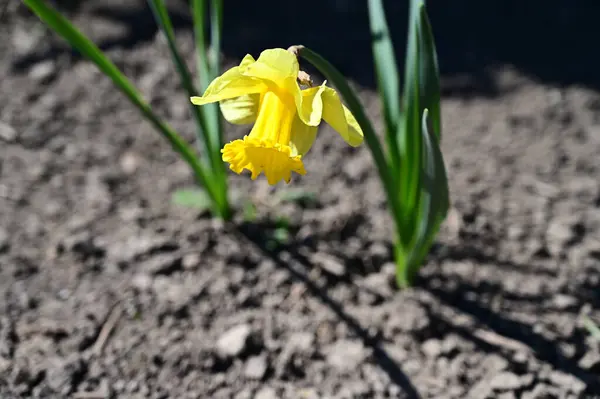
(266, 92)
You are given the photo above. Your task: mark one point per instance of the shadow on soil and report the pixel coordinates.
(297, 267)
(451, 291)
(549, 40)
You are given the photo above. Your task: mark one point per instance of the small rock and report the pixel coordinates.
(43, 71)
(505, 381)
(346, 354)
(379, 283)
(142, 281)
(564, 302)
(129, 163)
(329, 264)
(432, 347)
(234, 341)
(590, 360)
(266, 393)
(7, 133)
(256, 367)
(190, 261)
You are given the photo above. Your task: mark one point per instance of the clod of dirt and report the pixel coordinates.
(256, 367)
(345, 354)
(234, 341)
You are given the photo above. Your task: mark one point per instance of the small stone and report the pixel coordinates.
(505, 381)
(567, 381)
(432, 347)
(129, 163)
(329, 264)
(564, 302)
(256, 367)
(142, 281)
(190, 261)
(590, 360)
(43, 71)
(266, 393)
(345, 354)
(7, 132)
(234, 341)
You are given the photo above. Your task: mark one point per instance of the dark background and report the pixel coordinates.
(554, 41)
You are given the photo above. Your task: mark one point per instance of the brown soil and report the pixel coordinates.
(111, 290)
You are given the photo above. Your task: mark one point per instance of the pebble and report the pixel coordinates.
(505, 381)
(266, 393)
(190, 261)
(7, 132)
(234, 341)
(256, 367)
(345, 354)
(43, 71)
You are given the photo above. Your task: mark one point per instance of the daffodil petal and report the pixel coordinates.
(340, 118)
(241, 110)
(231, 84)
(275, 65)
(303, 136)
(309, 104)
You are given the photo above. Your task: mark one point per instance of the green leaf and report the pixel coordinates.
(86, 47)
(192, 198)
(430, 90)
(433, 202)
(386, 69)
(161, 15)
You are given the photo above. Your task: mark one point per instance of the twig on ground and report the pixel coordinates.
(107, 328)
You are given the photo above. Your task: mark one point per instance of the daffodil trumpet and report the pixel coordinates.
(267, 92)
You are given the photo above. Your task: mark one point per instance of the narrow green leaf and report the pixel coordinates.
(192, 198)
(207, 71)
(430, 90)
(86, 47)
(161, 15)
(386, 69)
(434, 199)
(204, 73)
(214, 60)
(409, 134)
(207, 118)
(216, 30)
